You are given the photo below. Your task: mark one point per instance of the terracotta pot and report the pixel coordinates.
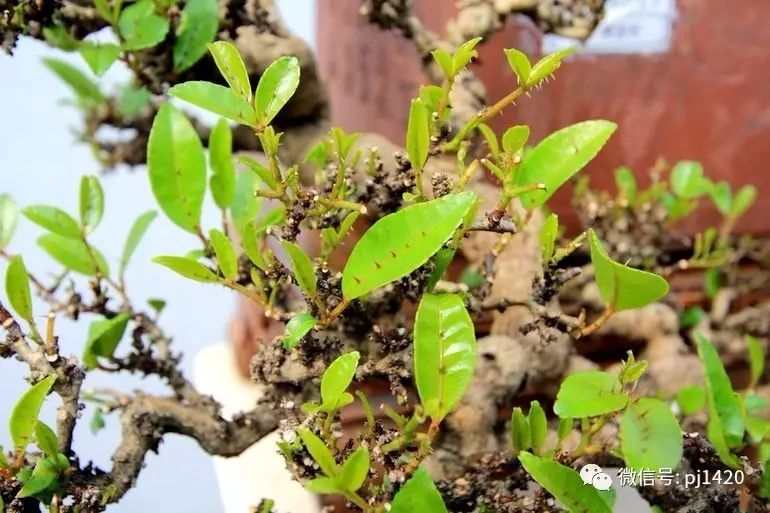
(706, 98)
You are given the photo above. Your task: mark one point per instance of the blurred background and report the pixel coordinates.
(683, 79)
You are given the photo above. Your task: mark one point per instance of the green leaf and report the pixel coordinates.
(626, 183)
(140, 27)
(86, 91)
(17, 288)
(687, 180)
(324, 485)
(58, 37)
(418, 134)
(515, 138)
(46, 439)
(464, 54)
(97, 421)
(444, 60)
(197, 28)
(215, 98)
(226, 259)
(756, 359)
(103, 7)
(232, 68)
(400, 242)
(24, 415)
(157, 304)
(444, 352)
(188, 268)
(9, 217)
(521, 438)
(419, 494)
(133, 100)
(716, 435)
(538, 426)
(222, 181)
(43, 476)
(691, 399)
(491, 138)
(519, 64)
(719, 392)
(298, 326)
(650, 436)
(336, 380)
(692, 316)
(722, 196)
(245, 205)
(54, 220)
(104, 335)
(712, 282)
(441, 262)
(301, 267)
(559, 156)
(548, 234)
(257, 168)
(565, 427)
(588, 394)
(176, 165)
(99, 56)
(91, 203)
(135, 234)
(564, 484)
(548, 65)
(744, 198)
(355, 469)
(74, 254)
(251, 245)
(622, 287)
(276, 86)
(318, 450)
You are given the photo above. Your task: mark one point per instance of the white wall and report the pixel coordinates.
(40, 162)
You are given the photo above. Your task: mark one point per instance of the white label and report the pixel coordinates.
(628, 26)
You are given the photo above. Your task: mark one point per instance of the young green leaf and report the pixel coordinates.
(135, 234)
(355, 469)
(176, 165)
(217, 99)
(548, 65)
(722, 196)
(444, 60)
(400, 242)
(43, 476)
(538, 426)
(441, 262)
(222, 181)
(515, 138)
(17, 288)
(565, 427)
(46, 439)
(548, 234)
(521, 438)
(99, 56)
(692, 316)
(716, 435)
(59, 37)
(744, 198)
(259, 170)
(318, 450)
(719, 392)
(564, 484)
(245, 205)
(336, 380)
(622, 287)
(418, 134)
(24, 415)
(325, 485)
(756, 359)
(276, 86)
(104, 9)
(691, 399)
(104, 335)
(9, 217)
(298, 326)
(91, 203)
(140, 27)
(712, 282)
(232, 68)
(97, 421)
(188, 268)
(519, 64)
(197, 28)
(588, 394)
(301, 267)
(650, 436)
(74, 254)
(626, 183)
(86, 91)
(419, 494)
(444, 352)
(54, 220)
(251, 245)
(223, 248)
(687, 180)
(464, 54)
(133, 100)
(559, 156)
(491, 138)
